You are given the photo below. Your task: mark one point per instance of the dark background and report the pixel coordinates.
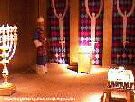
(23, 14)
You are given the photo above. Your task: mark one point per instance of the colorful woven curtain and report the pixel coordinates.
(123, 55)
(85, 29)
(58, 54)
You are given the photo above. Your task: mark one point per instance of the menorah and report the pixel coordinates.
(8, 42)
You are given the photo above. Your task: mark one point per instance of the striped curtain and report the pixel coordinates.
(85, 29)
(56, 51)
(123, 55)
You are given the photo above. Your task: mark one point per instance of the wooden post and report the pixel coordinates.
(130, 96)
(74, 27)
(107, 33)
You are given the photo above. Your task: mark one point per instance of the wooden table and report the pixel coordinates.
(107, 94)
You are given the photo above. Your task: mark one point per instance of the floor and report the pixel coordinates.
(58, 85)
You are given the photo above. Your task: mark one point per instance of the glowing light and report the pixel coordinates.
(94, 97)
(85, 49)
(8, 42)
(95, 70)
(70, 72)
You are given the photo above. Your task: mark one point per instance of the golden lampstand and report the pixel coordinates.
(8, 42)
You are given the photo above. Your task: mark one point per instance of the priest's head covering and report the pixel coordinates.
(40, 23)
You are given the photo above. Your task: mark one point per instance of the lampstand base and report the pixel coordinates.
(7, 89)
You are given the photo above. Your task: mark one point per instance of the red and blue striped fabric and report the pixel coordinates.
(85, 29)
(56, 51)
(121, 55)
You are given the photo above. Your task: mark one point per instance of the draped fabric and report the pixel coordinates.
(123, 55)
(85, 29)
(58, 54)
(41, 50)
